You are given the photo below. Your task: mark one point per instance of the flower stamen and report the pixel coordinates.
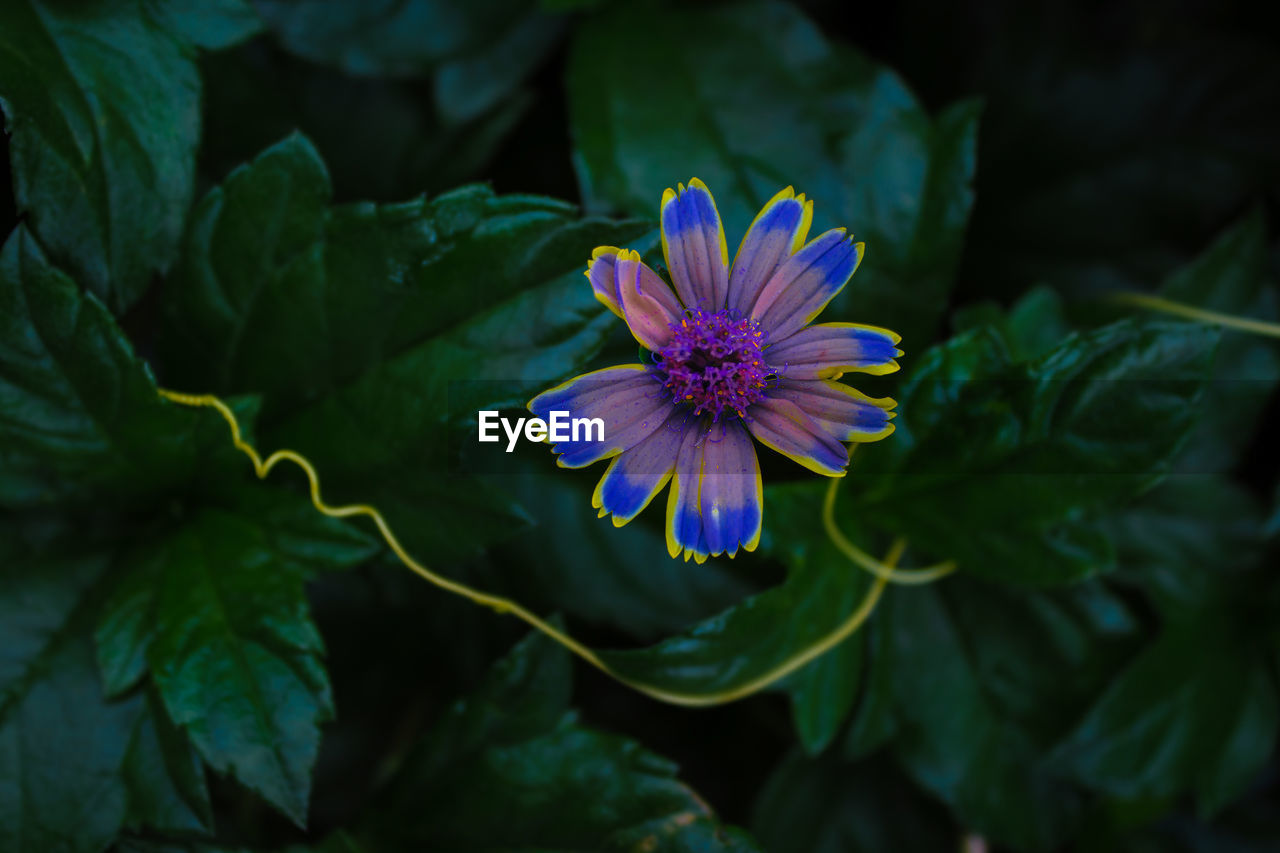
(714, 363)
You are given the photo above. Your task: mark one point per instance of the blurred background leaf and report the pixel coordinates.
(417, 149)
(1230, 277)
(475, 52)
(1080, 144)
(826, 806)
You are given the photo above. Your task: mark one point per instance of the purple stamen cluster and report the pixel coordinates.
(714, 363)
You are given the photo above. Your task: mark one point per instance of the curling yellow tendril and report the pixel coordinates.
(1191, 312)
(884, 571)
(263, 467)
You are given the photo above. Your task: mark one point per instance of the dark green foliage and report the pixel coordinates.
(516, 749)
(1001, 465)
(357, 223)
(419, 149)
(1230, 276)
(82, 417)
(78, 766)
(475, 53)
(343, 309)
(564, 549)
(219, 618)
(103, 101)
(824, 806)
(1196, 710)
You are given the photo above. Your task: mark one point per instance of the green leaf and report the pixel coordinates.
(769, 102)
(1197, 709)
(1031, 329)
(297, 532)
(82, 417)
(250, 242)
(1248, 826)
(281, 293)
(164, 776)
(76, 768)
(827, 806)
(379, 139)
(477, 52)
(1192, 543)
(752, 639)
(55, 723)
(535, 680)
(218, 615)
(998, 465)
(103, 105)
(564, 554)
(215, 24)
(823, 693)
(984, 681)
(44, 584)
(370, 316)
(514, 749)
(874, 721)
(1230, 277)
(290, 529)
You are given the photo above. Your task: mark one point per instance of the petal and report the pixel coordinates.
(694, 247)
(627, 399)
(600, 274)
(648, 305)
(777, 232)
(731, 497)
(845, 413)
(805, 283)
(716, 502)
(783, 426)
(638, 474)
(684, 519)
(828, 350)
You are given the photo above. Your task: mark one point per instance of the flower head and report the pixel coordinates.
(732, 355)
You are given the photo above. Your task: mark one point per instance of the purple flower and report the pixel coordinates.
(732, 356)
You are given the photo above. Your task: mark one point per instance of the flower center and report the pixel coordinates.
(714, 363)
